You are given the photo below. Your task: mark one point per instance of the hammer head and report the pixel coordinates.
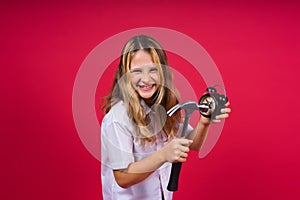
(189, 107)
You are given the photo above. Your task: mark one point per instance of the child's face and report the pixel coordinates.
(144, 74)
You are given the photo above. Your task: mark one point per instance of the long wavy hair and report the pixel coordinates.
(166, 95)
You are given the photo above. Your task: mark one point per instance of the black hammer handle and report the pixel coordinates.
(174, 177)
(176, 167)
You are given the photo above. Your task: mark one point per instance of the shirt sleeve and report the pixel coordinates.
(116, 145)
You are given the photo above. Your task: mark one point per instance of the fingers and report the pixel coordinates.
(227, 104)
(218, 118)
(184, 149)
(179, 149)
(224, 114)
(183, 155)
(181, 160)
(216, 121)
(225, 110)
(184, 142)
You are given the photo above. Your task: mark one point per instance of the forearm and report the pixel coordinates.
(198, 135)
(139, 171)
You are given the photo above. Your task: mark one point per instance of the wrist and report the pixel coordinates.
(204, 121)
(161, 155)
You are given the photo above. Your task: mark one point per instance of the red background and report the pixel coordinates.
(255, 46)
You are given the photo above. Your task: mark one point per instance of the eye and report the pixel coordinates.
(136, 71)
(153, 69)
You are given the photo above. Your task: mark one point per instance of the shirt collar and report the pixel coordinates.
(147, 109)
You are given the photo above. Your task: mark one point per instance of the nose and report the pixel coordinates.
(146, 77)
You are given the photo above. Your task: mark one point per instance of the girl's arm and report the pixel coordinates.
(175, 151)
(138, 171)
(200, 132)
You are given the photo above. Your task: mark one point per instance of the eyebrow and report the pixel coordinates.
(135, 69)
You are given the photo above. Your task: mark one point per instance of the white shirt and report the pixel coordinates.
(119, 148)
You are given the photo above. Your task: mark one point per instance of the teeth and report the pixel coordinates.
(146, 86)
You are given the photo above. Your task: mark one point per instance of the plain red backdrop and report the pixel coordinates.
(255, 46)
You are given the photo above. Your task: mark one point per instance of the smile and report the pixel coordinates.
(146, 87)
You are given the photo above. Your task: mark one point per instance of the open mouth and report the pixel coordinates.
(146, 87)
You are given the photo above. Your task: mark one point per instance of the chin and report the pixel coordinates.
(146, 95)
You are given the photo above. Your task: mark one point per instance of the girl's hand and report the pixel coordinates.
(225, 114)
(176, 150)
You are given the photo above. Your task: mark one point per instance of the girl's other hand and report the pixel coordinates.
(176, 150)
(224, 114)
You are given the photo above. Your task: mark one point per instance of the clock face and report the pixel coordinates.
(210, 102)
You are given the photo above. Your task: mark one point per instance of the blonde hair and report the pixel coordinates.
(165, 96)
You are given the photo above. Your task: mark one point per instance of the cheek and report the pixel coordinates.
(134, 80)
(155, 77)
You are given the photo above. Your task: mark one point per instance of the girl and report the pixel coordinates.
(138, 140)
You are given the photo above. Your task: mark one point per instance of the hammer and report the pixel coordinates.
(189, 107)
